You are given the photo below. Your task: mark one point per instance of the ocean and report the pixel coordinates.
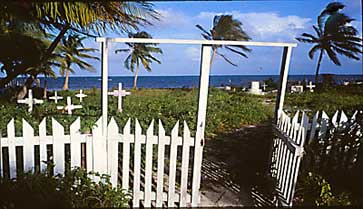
(76, 83)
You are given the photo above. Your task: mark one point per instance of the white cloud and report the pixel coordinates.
(193, 53)
(267, 25)
(171, 18)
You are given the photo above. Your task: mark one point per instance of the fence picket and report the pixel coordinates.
(112, 151)
(75, 136)
(28, 148)
(313, 127)
(11, 148)
(137, 164)
(126, 155)
(160, 169)
(43, 145)
(99, 148)
(334, 119)
(187, 140)
(102, 156)
(172, 165)
(324, 125)
(149, 163)
(58, 147)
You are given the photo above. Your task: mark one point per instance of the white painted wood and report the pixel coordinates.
(58, 147)
(284, 71)
(89, 153)
(28, 148)
(99, 148)
(75, 136)
(323, 125)
(199, 42)
(43, 145)
(172, 165)
(310, 86)
(11, 147)
(334, 119)
(112, 151)
(69, 107)
(137, 165)
(30, 101)
(126, 155)
(148, 165)
(104, 50)
(160, 169)
(313, 127)
(55, 97)
(119, 94)
(81, 95)
(185, 165)
(343, 119)
(202, 110)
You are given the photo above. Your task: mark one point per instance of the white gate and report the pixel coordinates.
(293, 133)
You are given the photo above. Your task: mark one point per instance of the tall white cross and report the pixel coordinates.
(264, 85)
(69, 107)
(55, 97)
(81, 95)
(30, 100)
(311, 86)
(119, 93)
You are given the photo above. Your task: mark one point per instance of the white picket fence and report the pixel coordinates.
(102, 155)
(295, 133)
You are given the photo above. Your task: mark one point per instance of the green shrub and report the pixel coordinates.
(313, 189)
(75, 189)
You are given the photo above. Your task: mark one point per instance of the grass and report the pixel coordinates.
(226, 111)
(347, 98)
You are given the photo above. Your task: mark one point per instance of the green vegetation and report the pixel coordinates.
(76, 189)
(226, 111)
(347, 98)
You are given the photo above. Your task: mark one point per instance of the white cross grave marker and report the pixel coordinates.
(30, 101)
(69, 107)
(55, 97)
(119, 93)
(311, 86)
(81, 95)
(264, 85)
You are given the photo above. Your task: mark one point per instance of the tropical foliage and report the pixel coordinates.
(90, 18)
(72, 51)
(140, 53)
(226, 28)
(334, 35)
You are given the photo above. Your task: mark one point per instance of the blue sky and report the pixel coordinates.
(272, 21)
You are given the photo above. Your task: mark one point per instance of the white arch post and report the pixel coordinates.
(203, 87)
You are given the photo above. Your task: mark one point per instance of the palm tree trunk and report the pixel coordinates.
(318, 67)
(27, 85)
(45, 88)
(213, 56)
(66, 80)
(135, 78)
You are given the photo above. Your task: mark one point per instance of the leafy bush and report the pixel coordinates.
(313, 189)
(75, 189)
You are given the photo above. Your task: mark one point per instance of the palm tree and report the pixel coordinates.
(333, 35)
(140, 53)
(226, 28)
(91, 18)
(72, 51)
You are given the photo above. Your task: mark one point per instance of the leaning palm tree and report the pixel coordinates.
(226, 28)
(334, 35)
(140, 53)
(72, 52)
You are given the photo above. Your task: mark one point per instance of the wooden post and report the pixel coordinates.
(104, 46)
(285, 62)
(202, 110)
